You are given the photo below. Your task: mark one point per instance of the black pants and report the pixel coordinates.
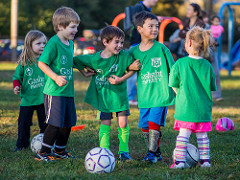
(25, 121)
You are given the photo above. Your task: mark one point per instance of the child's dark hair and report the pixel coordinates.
(110, 32)
(215, 16)
(197, 8)
(204, 14)
(141, 17)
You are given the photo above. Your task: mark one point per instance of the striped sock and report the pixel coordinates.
(203, 146)
(181, 144)
(181, 148)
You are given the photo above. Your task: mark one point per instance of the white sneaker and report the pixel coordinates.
(205, 164)
(133, 102)
(180, 165)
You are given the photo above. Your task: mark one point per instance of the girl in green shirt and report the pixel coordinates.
(28, 81)
(193, 79)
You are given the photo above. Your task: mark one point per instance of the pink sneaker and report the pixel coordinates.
(179, 165)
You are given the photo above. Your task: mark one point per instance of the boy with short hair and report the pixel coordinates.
(104, 96)
(56, 62)
(154, 94)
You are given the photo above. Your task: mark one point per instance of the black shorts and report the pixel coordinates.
(60, 111)
(107, 116)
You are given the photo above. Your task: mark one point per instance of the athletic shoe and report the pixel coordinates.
(151, 157)
(17, 149)
(123, 156)
(178, 165)
(133, 102)
(44, 157)
(158, 154)
(62, 155)
(205, 164)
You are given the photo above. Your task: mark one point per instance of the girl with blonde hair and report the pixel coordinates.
(193, 79)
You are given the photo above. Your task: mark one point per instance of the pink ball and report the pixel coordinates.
(225, 124)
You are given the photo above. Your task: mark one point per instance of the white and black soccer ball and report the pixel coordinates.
(99, 160)
(192, 156)
(36, 143)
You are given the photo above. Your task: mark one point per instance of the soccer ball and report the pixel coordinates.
(36, 143)
(99, 160)
(224, 124)
(192, 156)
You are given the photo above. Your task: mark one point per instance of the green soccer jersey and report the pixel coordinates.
(152, 81)
(194, 80)
(59, 57)
(101, 94)
(32, 82)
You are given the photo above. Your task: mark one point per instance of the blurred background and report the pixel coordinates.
(95, 14)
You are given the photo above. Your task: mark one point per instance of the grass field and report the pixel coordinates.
(225, 147)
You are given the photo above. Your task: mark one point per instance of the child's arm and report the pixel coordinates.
(175, 90)
(117, 80)
(87, 72)
(60, 80)
(16, 87)
(17, 78)
(135, 66)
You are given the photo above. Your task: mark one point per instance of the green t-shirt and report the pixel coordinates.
(32, 82)
(152, 81)
(59, 57)
(194, 80)
(101, 94)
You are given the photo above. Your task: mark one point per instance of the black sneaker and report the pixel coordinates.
(17, 149)
(62, 155)
(158, 154)
(44, 157)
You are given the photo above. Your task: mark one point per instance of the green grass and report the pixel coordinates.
(225, 147)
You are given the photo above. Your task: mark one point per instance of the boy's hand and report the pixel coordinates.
(115, 79)
(89, 72)
(16, 90)
(61, 80)
(135, 66)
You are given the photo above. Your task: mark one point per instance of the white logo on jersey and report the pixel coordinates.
(113, 68)
(99, 71)
(63, 59)
(156, 62)
(29, 71)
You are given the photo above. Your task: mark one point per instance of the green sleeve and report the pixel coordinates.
(130, 59)
(170, 60)
(82, 61)
(19, 72)
(174, 80)
(213, 80)
(49, 53)
(131, 51)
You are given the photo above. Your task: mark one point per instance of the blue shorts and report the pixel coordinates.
(155, 114)
(60, 111)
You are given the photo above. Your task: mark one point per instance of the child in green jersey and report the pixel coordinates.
(56, 62)
(193, 79)
(28, 81)
(154, 95)
(104, 96)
